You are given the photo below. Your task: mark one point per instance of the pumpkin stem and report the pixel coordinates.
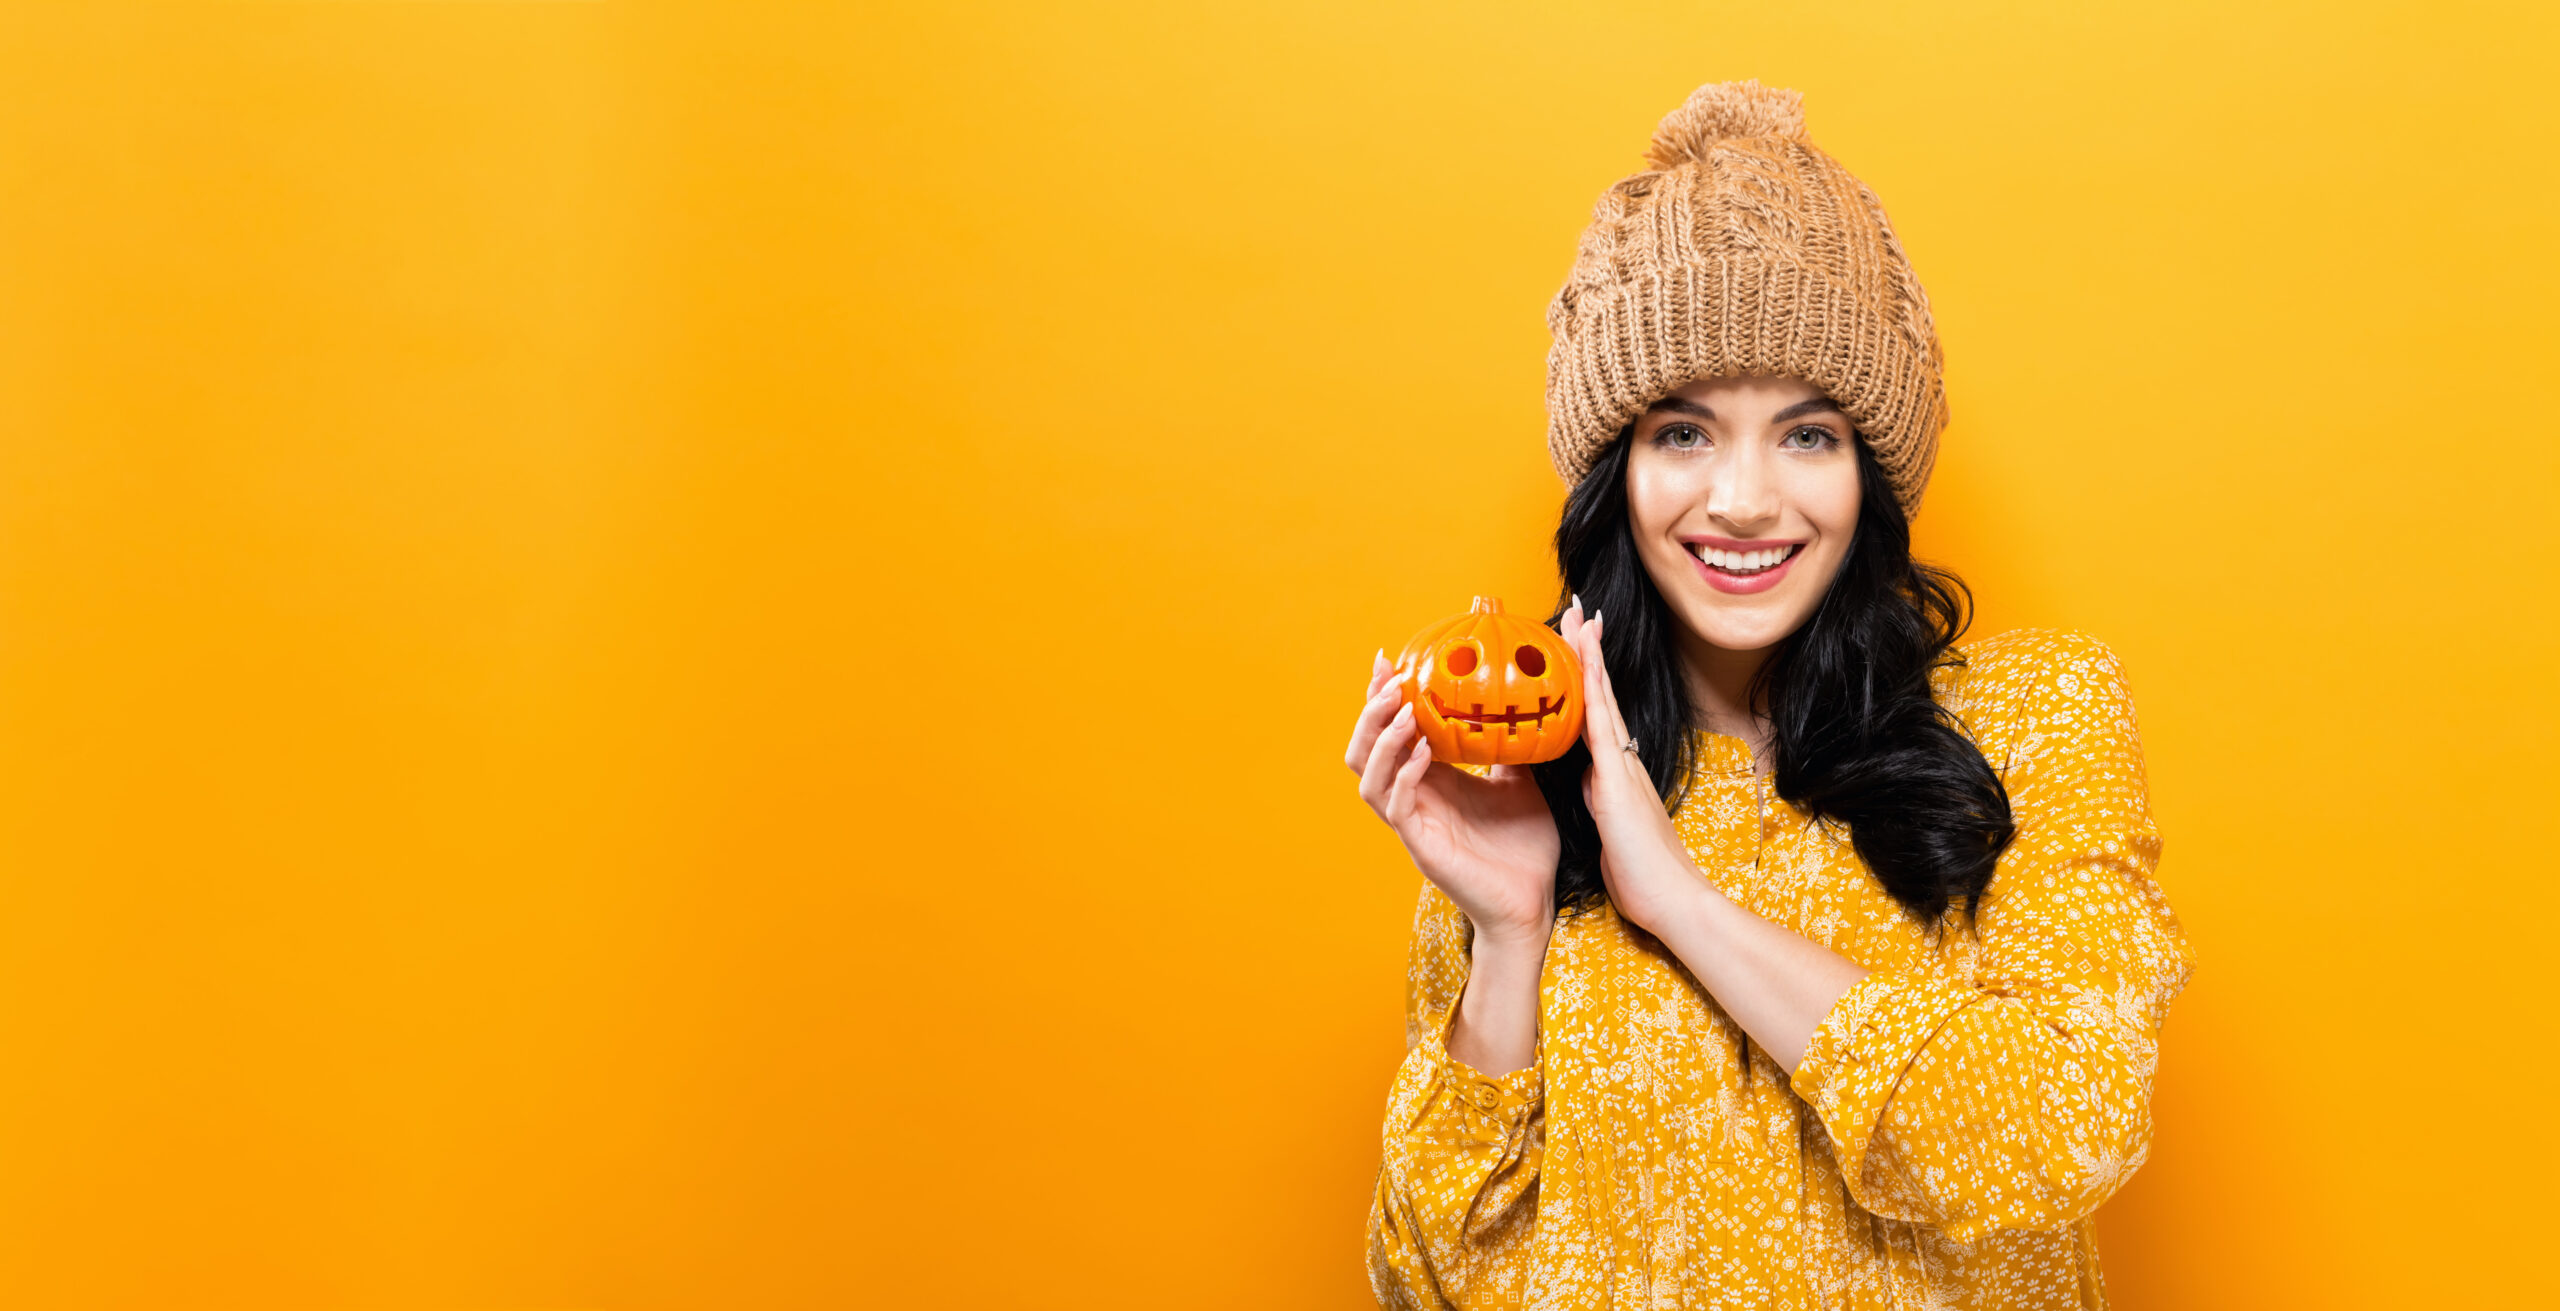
(1487, 605)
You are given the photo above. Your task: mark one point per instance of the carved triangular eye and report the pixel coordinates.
(1531, 660)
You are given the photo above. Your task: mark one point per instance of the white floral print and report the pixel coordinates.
(1957, 1118)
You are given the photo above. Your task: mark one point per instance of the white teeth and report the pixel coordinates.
(1743, 562)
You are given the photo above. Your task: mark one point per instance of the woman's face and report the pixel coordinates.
(1742, 493)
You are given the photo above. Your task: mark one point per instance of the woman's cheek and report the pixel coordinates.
(1837, 497)
(1671, 576)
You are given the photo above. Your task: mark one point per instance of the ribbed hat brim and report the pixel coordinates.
(1731, 314)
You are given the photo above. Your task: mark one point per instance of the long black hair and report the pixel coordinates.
(1858, 738)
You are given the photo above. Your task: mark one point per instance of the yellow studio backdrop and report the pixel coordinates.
(696, 656)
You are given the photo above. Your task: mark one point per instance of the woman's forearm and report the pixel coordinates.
(1496, 1030)
(1776, 983)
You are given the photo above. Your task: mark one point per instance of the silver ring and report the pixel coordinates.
(1631, 746)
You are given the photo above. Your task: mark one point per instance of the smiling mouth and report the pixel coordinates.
(1511, 718)
(1742, 564)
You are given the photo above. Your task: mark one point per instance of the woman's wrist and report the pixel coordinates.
(1496, 1028)
(1694, 917)
(1515, 940)
(1662, 889)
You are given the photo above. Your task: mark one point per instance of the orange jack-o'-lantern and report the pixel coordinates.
(1492, 689)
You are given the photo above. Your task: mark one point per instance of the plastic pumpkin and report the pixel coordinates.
(1490, 688)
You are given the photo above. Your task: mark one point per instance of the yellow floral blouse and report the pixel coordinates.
(1960, 1112)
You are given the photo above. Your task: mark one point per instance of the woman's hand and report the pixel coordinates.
(1488, 842)
(1642, 860)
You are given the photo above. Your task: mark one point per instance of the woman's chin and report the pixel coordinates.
(1733, 623)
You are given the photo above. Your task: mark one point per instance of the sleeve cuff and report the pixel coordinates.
(1863, 1045)
(1506, 1099)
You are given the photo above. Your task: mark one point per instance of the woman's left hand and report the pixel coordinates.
(1642, 860)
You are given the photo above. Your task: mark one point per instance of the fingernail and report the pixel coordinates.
(1382, 654)
(1577, 600)
(1595, 616)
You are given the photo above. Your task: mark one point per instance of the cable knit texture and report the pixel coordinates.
(1743, 249)
(1958, 1118)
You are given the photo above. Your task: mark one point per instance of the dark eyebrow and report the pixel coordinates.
(1683, 406)
(1816, 405)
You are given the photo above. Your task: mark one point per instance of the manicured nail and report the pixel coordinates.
(1404, 712)
(1595, 616)
(1577, 600)
(1382, 655)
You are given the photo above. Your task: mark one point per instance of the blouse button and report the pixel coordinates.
(1488, 1098)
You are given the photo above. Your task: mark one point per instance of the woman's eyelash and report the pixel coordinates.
(1673, 434)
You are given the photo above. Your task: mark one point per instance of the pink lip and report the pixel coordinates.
(1725, 582)
(1737, 544)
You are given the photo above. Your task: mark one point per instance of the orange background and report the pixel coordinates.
(689, 657)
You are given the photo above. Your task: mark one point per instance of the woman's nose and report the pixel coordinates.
(1743, 496)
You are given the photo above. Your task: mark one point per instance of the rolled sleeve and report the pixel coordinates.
(1460, 1152)
(1858, 1055)
(2020, 1097)
(1498, 1104)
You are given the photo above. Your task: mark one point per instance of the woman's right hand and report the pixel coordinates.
(1487, 841)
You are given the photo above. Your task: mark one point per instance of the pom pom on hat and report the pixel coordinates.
(1722, 111)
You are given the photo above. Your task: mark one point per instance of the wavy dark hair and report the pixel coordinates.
(1858, 738)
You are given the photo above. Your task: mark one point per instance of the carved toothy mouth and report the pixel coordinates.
(1511, 718)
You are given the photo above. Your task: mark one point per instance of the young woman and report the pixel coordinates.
(1829, 969)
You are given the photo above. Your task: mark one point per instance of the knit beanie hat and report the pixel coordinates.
(1743, 250)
